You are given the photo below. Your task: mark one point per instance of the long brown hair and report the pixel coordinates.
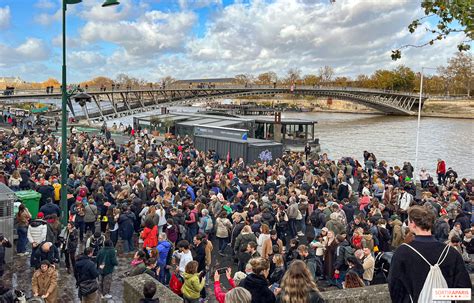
(297, 283)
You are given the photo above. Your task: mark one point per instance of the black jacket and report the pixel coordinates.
(200, 256)
(340, 263)
(408, 271)
(318, 219)
(39, 255)
(50, 208)
(3, 245)
(258, 287)
(276, 275)
(310, 261)
(86, 269)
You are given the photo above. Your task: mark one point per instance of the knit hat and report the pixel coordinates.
(40, 215)
(239, 276)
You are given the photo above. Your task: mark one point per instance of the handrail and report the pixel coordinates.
(206, 88)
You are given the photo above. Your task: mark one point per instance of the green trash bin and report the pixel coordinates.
(31, 200)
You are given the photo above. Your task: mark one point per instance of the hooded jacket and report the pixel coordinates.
(258, 287)
(37, 231)
(192, 286)
(85, 269)
(108, 257)
(163, 249)
(397, 235)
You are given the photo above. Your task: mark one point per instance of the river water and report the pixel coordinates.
(393, 139)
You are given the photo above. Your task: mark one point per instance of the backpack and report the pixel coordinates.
(82, 192)
(169, 256)
(209, 225)
(347, 252)
(315, 218)
(97, 244)
(434, 279)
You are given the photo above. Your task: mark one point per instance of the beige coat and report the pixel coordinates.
(223, 227)
(267, 247)
(46, 282)
(368, 265)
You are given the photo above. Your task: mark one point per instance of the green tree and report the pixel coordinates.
(404, 78)
(452, 16)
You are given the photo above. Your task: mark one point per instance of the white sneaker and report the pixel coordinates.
(300, 234)
(107, 296)
(20, 254)
(26, 253)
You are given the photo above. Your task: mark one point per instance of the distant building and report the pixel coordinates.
(11, 80)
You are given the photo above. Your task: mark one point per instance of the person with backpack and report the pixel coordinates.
(165, 251)
(96, 242)
(343, 251)
(318, 219)
(206, 226)
(425, 263)
(90, 216)
(69, 239)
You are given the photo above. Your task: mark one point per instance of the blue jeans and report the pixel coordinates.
(22, 239)
(292, 230)
(222, 244)
(192, 231)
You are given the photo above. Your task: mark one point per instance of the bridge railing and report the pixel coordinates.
(56, 91)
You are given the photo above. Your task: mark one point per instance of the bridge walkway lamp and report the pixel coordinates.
(65, 96)
(415, 167)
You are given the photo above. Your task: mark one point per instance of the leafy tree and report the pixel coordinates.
(50, 82)
(452, 16)
(267, 78)
(98, 82)
(403, 78)
(457, 75)
(311, 80)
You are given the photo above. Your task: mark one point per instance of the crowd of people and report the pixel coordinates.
(189, 219)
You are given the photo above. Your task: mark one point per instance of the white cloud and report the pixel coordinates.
(4, 17)
(196, 4)
(45, 4)
(153, 33)
(31, 50)
(86, 59)
(47, 19)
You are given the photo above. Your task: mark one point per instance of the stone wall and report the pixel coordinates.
(133, 290)
(368, 294)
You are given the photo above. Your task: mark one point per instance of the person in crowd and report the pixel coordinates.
(86, 274)
(106, 261)
(138, 264)
(69, 238)
(149, 234)
(184, 255)
(193, 283)
(96, 242)
(411, 263)
(309, 259)
(164, 247)
(23, 218)
(262, 237)
(256, 282)
(50, 208)
(352, 280)
(126, 229)
(224, 227)
(240, 247)
(149, 291)
(368, 264)
(45, 251)
(218, 292)
(278, 271)
(45, 282)
(37, 231)
(238, 295)
(297, 285)
(4, 244)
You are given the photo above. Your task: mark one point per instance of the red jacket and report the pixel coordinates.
(150, 237)
(220, 295)
(441, 168)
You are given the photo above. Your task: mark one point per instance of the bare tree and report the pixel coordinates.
(326, 73)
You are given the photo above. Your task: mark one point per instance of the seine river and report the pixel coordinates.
(393, 139)
(390, 138)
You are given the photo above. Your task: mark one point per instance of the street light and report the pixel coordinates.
(64, 208)
(418, 126)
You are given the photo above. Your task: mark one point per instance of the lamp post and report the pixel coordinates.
(415, 173)
(64, 208)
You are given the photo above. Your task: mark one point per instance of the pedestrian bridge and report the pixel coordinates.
(111, 104)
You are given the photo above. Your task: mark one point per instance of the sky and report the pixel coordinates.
(186, 39)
